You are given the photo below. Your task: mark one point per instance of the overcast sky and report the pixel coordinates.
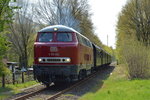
(105, 15)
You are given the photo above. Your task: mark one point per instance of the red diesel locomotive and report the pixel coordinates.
(63, 54)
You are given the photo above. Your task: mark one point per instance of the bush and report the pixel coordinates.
(137, 58)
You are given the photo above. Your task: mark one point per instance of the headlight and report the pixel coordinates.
(68, 60)
(40, 59)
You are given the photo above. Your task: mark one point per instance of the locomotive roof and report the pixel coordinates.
(59, 28)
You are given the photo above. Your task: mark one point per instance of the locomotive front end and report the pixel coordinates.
(55, 55)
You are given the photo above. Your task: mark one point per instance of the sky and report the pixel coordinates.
(105, 17)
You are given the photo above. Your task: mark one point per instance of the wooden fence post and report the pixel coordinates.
(22, 77)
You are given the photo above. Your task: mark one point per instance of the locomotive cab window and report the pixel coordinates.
(64, 37)
(45, 37)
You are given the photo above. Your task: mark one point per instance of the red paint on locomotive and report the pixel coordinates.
(64, 49)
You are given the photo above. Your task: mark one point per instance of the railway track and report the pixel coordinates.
(26, 96)
(57, 94)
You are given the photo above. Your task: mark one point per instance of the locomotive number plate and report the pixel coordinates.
(53, 49)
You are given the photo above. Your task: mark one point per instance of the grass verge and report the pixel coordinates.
(11, 89)
(118, 87)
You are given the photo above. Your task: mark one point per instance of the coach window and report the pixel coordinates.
(45, 37)
(64, 37)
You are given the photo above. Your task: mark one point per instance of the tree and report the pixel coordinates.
(135, 18)
(133, 38)
(56, 12)
(6, 13)
(22, 32)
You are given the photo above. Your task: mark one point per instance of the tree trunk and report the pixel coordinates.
(3, 81)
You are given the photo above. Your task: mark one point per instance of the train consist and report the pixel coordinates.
(63, 54)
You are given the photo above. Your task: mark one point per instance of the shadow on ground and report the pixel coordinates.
(94, 84)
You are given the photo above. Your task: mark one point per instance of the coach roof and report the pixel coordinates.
(57, 28)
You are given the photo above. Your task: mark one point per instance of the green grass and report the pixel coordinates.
(11, 89)
(118, 87)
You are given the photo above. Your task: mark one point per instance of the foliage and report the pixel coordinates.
(3, 69)
(2, 46)
(134, 19)
(136, 57)
(110, 51)
(3, 49)
(133, 38)
(6, 14)
(30, 49)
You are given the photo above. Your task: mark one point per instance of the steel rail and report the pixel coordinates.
(24, 97)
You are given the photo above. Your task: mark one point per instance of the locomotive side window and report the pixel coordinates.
(45, 37)
(79, 38)
(84, 41)
(64, 37)
(89, 44)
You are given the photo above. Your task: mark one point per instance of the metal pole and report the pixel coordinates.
(107, 39)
